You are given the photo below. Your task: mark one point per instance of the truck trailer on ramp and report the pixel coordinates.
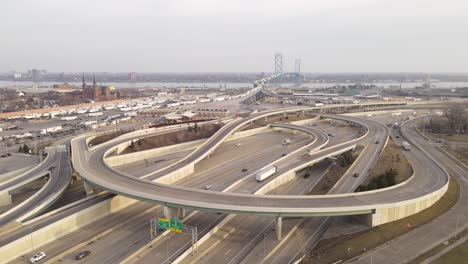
(263, 174)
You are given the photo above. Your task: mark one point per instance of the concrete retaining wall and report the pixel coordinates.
(146, 154)
(5, 198)
(63, 227)
(177, 175)
(401, 210)
(276, 182)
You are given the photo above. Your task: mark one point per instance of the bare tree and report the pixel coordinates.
(457, 117)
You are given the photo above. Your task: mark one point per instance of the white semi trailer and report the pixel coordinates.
(49, 130)
(263, 174)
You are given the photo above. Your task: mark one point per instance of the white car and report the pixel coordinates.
(207, 187)
(37, 257)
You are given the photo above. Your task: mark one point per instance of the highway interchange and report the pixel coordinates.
(238, 188)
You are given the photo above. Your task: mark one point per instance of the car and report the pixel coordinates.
(307, 175)
(284, 154)
(355, 175)
(82, 255)
(377, 142)
(244, 170)
(238, 144)
(207, 187)
(397, 136)
(37, 257)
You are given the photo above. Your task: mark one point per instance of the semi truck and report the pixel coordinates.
(263, 174)
(405, 145)
(49, 130)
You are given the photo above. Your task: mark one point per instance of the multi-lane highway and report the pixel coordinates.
(131, 223)
(187, 193)
(420, 240)
(88, 162)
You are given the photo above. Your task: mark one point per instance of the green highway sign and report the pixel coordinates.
(163, 223)
(176, 225)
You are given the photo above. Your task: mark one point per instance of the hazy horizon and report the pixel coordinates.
(330, 36)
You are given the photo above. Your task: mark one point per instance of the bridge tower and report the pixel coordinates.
(278, 67)
(297, 66)
(278, 63)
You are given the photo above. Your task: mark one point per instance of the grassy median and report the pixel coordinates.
(336, 249)
(457, 255)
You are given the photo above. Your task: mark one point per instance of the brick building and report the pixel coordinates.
(97, 92)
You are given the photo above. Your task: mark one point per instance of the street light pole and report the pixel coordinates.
(167, 248)
(456, 226)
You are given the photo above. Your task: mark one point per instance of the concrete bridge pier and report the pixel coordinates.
(279, 225)
(182, 213)
(88, 188)
(174, 212)
(5, 198)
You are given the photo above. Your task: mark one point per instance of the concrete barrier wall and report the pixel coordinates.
(395, 211)
(291, 174)
(63, 227)
(25, 172)
(305, 121)
(146, 154)
(37, 193)
(248, 133)
(176, 175)
(88, 139)
(5, 198)
(276, 182)
(378, 112)
(12, 174)
(386, 214)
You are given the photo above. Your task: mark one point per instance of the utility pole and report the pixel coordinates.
(456, 226)
(35, 148)
(167, 248)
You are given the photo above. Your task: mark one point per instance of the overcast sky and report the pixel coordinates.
(234, 35)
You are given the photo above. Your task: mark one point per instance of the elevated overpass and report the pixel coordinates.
(56, 166)
(382, 206)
